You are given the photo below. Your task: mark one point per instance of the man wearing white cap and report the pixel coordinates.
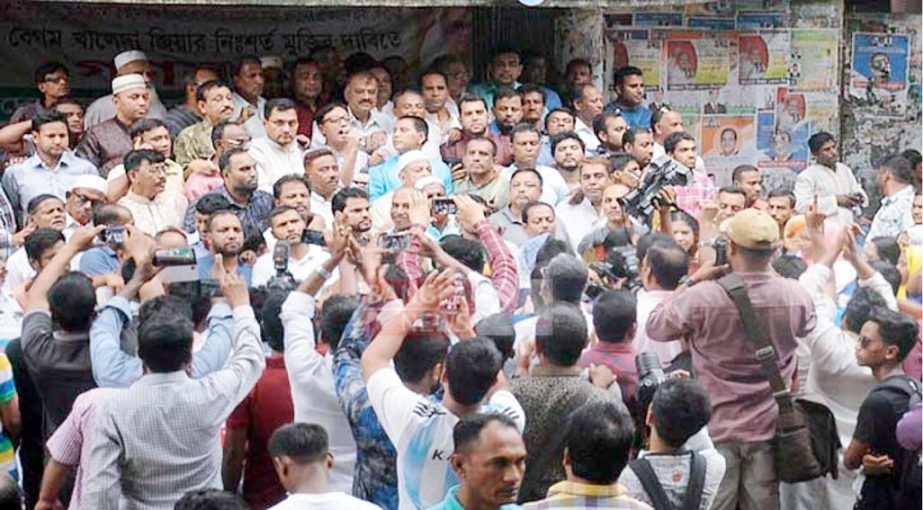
(274, 78)
(106, 144)
(411, 167)
(127, 62)
(86, 191)
(249, 103)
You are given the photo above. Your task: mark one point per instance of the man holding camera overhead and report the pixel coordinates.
(745, 413)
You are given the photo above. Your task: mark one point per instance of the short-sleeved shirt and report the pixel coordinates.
(875, 426)
(59, 363)
(421, 431)
(266, 408)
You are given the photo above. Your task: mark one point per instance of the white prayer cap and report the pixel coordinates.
(127, 57)
(409, 157)
(271, 61)
(425, 181)
(127, 82)
(87, 181)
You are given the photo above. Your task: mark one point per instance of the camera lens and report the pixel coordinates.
(647, 362)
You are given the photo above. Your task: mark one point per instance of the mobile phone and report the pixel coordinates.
(444, 206)
(395, 242)
(721, 251)
(114, 235)
(174, 257)
(313, 237)
(451, 162)
(210, 287)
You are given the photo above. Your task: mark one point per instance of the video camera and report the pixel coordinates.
(621, 264)
(283, 280)
(642, 201)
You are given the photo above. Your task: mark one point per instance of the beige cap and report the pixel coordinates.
(127, 57)
(752, 228)
(128, 82)
(409, 157)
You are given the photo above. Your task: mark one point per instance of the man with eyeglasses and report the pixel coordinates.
(52, 79)
(152, 206)
(150, 134)
(86, 192)
(127, 62)
(187, 113)
(194, 146)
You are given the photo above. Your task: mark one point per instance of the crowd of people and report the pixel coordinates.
(337, 283)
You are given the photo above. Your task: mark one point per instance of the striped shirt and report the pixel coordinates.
(577, 496)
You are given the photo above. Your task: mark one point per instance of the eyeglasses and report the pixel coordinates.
(84, 199)
(58, 80)
(337, 120)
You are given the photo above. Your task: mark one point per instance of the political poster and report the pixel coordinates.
(658, 19)
(878, 74)
(760, 20)
(637, 48)
(727, 142)
(813, 64)
(782, 136)
(763, 58)
(711, 22)
(697, 61)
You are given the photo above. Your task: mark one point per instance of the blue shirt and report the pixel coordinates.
(99, 260)
(204, 266)
(383, 177)
(545, 157)
(451, 502)
(638, 116)
(254, 216)
(114, 368)
(31, 178)
(375, 478)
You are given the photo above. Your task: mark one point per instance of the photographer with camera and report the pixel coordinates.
(680, 468)
(745, 417)
(290, 256)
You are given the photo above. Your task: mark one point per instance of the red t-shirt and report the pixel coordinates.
(266, 408)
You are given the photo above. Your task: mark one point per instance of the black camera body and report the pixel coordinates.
(283, 280)
(650, 375)
(642, 201)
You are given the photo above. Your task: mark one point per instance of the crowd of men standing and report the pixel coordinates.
(393, 288)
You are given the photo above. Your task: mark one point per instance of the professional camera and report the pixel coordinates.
(642, 201)
(650, 375)
(283, 280)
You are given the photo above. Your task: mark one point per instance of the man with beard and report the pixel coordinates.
(831, 183)
(750, 180)
(441, 111)
(278, 153)
(307, 88)
(351, 207)
(475, 119)
(226, 238)
(106, 143)
(584, 212)
(152, 207)
(287, 225)
(292, 191)
(629, 84)
(194, 144)
(609, 128)
(568, 150)
(557, 121)
(533, 104)
(238, 170)
(51, 170)
(410, 133)
(126, 63)
(187, 113)
(507, 111)
(526, 141)
(481, 175)
(588, 103)
(225, 135)
(639, 143)
(249, 103)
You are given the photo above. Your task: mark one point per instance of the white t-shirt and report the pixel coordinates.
(325, 501)
(265, 269)
(421, 431)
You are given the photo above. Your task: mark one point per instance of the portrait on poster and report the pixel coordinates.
(878, 74)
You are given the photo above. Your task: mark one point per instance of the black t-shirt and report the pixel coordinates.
(878, 417)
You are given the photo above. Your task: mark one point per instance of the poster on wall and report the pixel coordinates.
(697, 61)
(763, 58)
(658, 19)
(637, 48)
(760, 20)
(711, 22)
(813, 59)
(878, 74)
(782, 135)
(727, 142)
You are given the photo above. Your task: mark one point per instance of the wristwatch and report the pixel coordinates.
(687, 281)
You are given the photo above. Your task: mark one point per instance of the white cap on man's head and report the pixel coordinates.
(427, 180)
(128, 82)
(87, 181)
(409, 157)
(127, 57)
(271, 61)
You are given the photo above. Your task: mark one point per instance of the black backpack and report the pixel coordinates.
(910, 482)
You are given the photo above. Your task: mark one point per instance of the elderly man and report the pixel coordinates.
(238, 170)
(249, 104)
(126, 63)
(51, 170)
(187, 113)
(106, 143)
(411, 166)
(215, 104)
(278, 153)
(86, 192)
(409, 134)
(152, 207)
